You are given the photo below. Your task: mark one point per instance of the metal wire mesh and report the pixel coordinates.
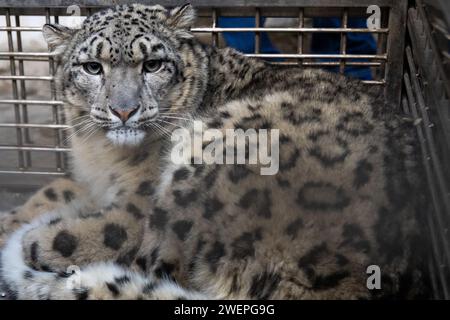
(33, 144)
(426, 98)
(27, 160)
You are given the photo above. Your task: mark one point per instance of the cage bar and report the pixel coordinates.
(343, 44)
(300, 35)
(426, 90)
(254, 8)
(55, 113)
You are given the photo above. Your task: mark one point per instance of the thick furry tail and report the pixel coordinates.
(96, 281)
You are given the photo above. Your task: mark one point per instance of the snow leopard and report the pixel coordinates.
(131, 223)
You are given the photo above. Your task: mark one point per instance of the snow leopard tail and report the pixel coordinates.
(105, 280)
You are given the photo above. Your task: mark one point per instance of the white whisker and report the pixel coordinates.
(164, 131)
(92, 132)
(173, 124)
(179, 118)
(81, 130)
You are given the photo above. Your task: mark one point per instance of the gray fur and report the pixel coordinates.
(346, 195)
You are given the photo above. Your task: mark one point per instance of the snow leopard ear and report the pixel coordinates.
(57, 37)
(182, 17)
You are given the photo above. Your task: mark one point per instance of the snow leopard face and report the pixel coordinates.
(122, 69)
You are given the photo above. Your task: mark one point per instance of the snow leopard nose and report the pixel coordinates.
(124, 114)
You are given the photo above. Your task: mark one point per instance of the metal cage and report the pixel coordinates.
(27, 161)
(410, 63)
(426, 97)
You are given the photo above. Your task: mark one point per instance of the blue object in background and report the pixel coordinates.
(357, 43)
(322, 43)
(245, 41)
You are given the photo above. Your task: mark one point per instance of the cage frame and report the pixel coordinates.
(390, 62)
(408, 84)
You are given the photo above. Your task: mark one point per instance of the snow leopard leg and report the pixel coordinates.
(105, 280)
(111, 234)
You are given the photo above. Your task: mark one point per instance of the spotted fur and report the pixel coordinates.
(141, 227)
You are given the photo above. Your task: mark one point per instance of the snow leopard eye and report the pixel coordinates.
(93, 68)
(152, 66)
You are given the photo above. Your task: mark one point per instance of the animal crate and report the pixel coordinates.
(409, 61)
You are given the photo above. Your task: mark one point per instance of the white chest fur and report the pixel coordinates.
(96, 165)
